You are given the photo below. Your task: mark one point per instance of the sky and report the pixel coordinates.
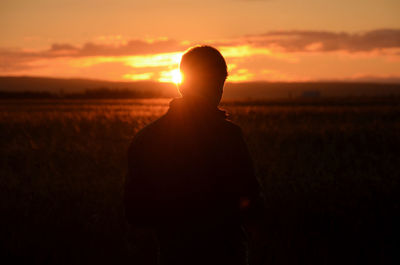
(262, 40)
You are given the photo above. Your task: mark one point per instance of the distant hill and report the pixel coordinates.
(62, 86)
(46, 87)
(309, 89)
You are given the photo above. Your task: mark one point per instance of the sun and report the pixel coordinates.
(171, 76)
(176, 76)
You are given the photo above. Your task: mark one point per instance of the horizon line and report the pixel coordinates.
(362, 80)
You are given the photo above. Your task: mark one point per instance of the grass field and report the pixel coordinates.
(330, 173)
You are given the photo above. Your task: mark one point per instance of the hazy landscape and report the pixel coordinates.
(314, 85)
(329, 168)
(44, 87)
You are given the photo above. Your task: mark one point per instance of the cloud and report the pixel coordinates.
(287, 41)
(89, 49)
(253, 0)
(15, 60)
(327, 41)
(285, 54)
(19, 59)
(132, 47)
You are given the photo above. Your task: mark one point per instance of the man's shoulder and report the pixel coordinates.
(161, 124)
(150, 129)
(157, 129)
(146, 135)
(232, 126)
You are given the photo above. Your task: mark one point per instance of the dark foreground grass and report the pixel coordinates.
(330, 174)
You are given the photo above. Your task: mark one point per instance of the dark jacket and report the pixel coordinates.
(191, 167)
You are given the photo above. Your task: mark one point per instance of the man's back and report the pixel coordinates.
(187, 173)
(190, 175)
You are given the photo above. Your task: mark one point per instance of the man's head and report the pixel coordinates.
(204, 73)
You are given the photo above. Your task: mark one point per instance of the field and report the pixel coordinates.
(330, 173)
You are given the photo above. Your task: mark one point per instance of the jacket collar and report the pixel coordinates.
(195, 108)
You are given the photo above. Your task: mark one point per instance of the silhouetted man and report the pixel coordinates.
(190, 174)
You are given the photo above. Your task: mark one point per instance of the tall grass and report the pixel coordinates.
(330, 175)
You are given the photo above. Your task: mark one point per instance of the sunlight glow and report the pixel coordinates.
(245, 63)
(240, 76)
(136, 77)
(154, 60)
(137, 61)
(173, 76)
(176, 76)
(243, 51)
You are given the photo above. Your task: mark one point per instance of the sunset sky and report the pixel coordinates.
(271, 40)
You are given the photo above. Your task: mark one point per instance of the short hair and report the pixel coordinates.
(204, 61)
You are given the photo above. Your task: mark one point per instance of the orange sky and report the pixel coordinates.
(273, 40)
